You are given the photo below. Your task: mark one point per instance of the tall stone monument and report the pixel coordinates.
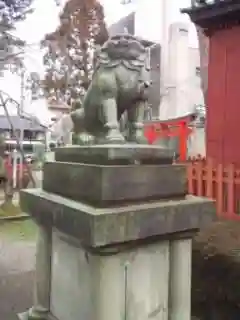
(114, 218)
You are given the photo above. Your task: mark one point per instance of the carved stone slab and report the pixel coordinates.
(115, 154)
(114, 184)
(96, 227)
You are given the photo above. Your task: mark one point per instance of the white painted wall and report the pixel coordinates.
(148, 24)
(177, 83)
(160, 21)
(196, 143)
(149, 14)
(182, 84)
(196, 95)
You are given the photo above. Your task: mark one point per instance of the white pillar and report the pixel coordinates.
(156, 14)
(178, 81)
(14, 177)
(164, 43)
(47, 139)
(164, 58)
(179, 69)
(180, 279)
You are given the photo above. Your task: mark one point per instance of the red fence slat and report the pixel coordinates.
(211, 180)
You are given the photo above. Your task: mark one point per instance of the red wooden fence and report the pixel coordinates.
(222, 183)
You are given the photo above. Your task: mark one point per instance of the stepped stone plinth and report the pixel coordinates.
(115, 229)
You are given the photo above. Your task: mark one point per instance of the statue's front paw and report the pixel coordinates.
(114, 136)
(83, 139)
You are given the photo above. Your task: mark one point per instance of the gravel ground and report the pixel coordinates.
(17, 259)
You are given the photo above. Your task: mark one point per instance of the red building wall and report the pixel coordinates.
(223, 115)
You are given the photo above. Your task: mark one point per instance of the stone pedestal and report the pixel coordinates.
(119, 236)
(41, 290)
(180, 279)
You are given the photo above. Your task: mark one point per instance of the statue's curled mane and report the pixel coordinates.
(122, 48)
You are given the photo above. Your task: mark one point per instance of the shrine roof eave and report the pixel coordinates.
(215, 15)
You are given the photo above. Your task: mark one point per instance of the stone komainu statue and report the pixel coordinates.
(120, 85)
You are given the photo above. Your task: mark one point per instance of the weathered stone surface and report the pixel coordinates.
(94, 287)
(108, 185)
(115, 154)
(101, 227)
(120, 85)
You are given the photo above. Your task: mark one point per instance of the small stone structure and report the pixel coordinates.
(115, 229)
(115, 224)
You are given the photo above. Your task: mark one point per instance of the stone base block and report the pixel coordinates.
(112, 185)
(115, 154)
(32, 314)
(104, 226)
(114, 239)
(128, 261)
(128, 285)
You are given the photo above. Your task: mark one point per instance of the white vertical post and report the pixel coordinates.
(21, 161)
(183, 81)
(21, 137)
(47, 140)
(15, 157)
(179, 82)
(164, 57)
(164, 44)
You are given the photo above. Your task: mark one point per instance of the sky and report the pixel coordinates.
(44, 19)
(114, 10)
